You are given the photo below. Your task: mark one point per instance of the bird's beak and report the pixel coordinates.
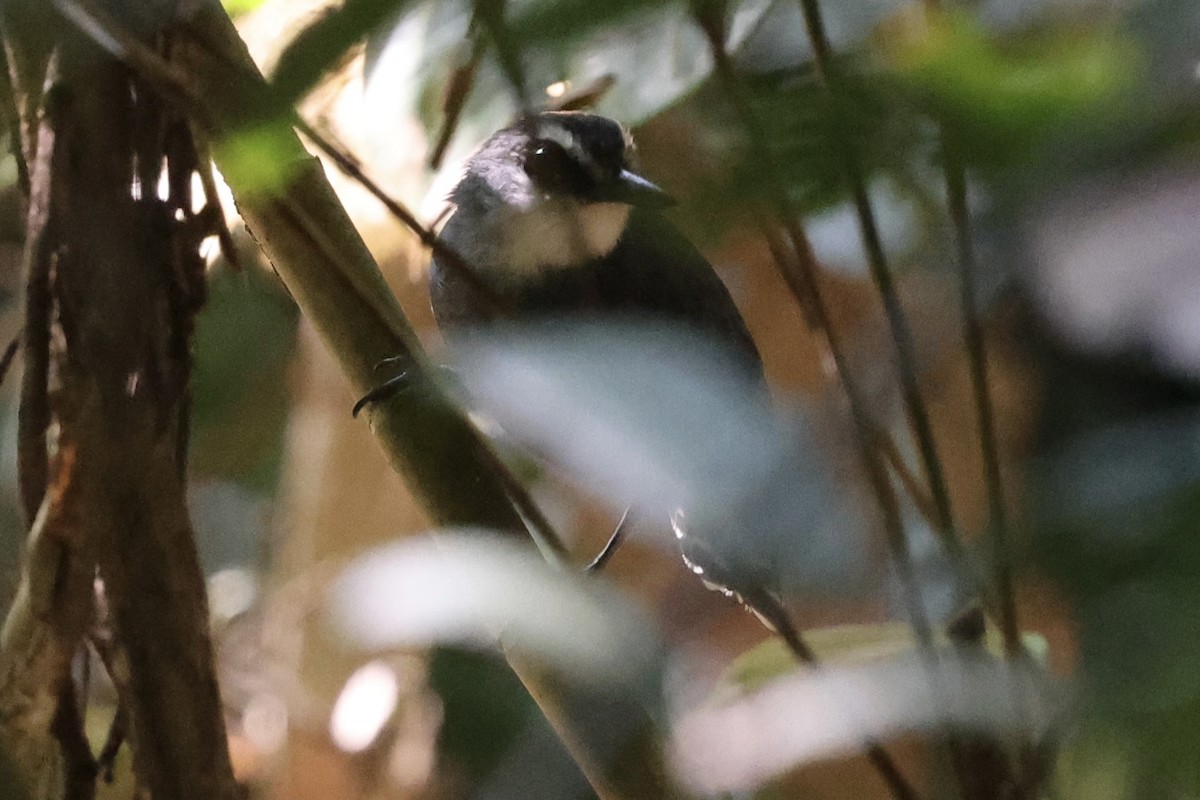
(631, 188)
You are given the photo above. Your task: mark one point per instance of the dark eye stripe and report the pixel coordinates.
(553, 169)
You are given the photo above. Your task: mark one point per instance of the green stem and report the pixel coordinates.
(877, 262)
(956, 192)
(802, 281)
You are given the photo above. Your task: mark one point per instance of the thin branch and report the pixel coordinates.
(489, 15)
(33, 415)
(458, 89)
(610, 547)
(801, 277)
(800, 271)
(548, 542)
(1029, 761)
(963, 758)
(877, 262)
(1002, 580)
(213, 209)
(777, 617)
(10, 353)
(116, 664)
(350, 165)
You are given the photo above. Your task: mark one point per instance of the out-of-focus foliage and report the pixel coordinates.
(658, 420)
(244, 338)
(1119, 505)
(844, 644)
(250, 155)
(475, 591)
(1005, 98)
(1079, 122)
(1095, 211)
(484, 706)
(817, 713)
(236, 7)
(323, 43)
(801, 122)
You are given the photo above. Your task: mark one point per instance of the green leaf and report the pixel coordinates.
(470, 589)
(566, 21)
(250, 159)
(236, 7)
(843, 644)
(1005, 97)
(321, 45)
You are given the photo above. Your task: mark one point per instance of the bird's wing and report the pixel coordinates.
(656, 270)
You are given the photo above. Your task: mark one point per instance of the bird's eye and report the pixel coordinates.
(552, 168)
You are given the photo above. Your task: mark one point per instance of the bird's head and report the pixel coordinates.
(584, 157)
(558, 186)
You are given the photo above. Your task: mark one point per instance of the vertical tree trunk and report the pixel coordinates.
(124, 284)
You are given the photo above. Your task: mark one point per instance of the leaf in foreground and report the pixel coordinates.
(470, 589)
(738, 745)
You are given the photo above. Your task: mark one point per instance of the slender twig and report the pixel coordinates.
(117, 732)
(212, 202)
(489, 14)
(877, 263)
(777, 617)
(348, 164)
(541, 530)
(584, 97)
(960, 217)
(10, 352)
(956, 191)
(913, 487)
(462, 80)
(79, 767)
(610, 547)
(800, 276)
(906, 355)
(1028, 760)
(800, 273)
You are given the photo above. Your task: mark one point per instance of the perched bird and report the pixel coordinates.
(554, 221)
(555, 225)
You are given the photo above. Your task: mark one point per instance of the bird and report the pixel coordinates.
(554, 221)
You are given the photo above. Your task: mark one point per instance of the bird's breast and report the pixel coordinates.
(557, 236)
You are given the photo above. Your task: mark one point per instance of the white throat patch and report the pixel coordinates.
(555, 234)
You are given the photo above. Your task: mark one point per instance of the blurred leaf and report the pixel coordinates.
(663, 421)
(323, 43)
(652, 50)
(1113, 260)
(565, 22)
(484, 708)
(244, 339)
(843, 644)
(1005, 98)
(480, 591)
(236, 7)
(732, 180)
(1116, 510)
(738, 745)
(250, 159)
